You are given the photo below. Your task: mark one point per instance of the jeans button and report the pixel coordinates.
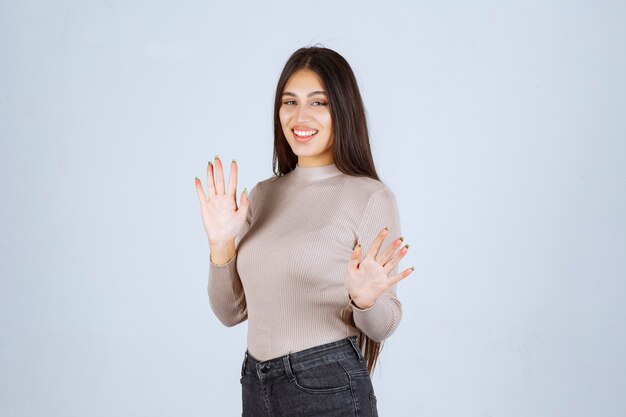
(265, 367)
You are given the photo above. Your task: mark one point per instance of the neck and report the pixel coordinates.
(316, 161)
(315, 173)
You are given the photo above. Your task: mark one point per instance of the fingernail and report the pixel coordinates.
(196, 178)
(234, 162)
(217, 157)
(210, 163)
(386, 228)
(412, 268)
(401, 239)
(406, 246)
(356, 246)
(245, 190)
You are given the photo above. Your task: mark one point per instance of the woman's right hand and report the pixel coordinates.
(221, 217)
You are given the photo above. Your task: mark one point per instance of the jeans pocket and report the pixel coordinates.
(243, 367)
(325, 378)
(374, 409)
(243, 364)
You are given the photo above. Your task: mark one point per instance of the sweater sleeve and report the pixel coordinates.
(381, 319)
(226, 295)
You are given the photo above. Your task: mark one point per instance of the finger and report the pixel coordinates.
(384, 257)
(378, 241)
(399, 277)
(355, 258)
(200, 191)
(232, 179)
(396, 259)
(244, 203)
(209, 178)
(219, 175)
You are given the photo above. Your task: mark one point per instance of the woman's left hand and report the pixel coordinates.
(367, 279)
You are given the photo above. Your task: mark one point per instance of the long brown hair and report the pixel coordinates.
(351, 147)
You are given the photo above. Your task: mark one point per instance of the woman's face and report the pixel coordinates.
(305, 119)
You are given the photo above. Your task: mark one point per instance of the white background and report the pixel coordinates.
(500, 127)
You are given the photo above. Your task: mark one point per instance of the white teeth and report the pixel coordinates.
(305, 133)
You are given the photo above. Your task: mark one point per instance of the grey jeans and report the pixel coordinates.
(329, 380)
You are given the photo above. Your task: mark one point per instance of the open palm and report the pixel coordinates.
(221, 217)
(368, 278)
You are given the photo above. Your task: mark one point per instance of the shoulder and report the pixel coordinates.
(264, 189)
(367, 190)
(264, 183)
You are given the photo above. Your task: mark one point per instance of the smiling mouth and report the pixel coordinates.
(304, 134)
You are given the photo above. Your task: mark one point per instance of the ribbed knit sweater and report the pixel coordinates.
(287, 277)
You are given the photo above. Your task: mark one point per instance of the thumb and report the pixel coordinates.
(356, 257)
(244, 204)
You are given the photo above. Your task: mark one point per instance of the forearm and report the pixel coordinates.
(381, 319)
(226, 294)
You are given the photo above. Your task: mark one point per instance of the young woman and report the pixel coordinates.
(310, 257)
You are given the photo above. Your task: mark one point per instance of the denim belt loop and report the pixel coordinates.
(353, 342)
(287, 364)
(243, 365)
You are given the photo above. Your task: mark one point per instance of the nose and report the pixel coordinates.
(303, 114)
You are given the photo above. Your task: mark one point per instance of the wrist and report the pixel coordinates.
(220, 252)
(361, 304)
(222, 243)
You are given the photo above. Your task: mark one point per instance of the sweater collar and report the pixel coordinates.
(315, 173)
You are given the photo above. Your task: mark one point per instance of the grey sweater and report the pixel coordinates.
(287, 276)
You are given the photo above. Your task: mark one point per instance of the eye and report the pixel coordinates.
(288, 101)
(320, 103)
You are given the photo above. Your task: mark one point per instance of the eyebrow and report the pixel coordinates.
(288, 93)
